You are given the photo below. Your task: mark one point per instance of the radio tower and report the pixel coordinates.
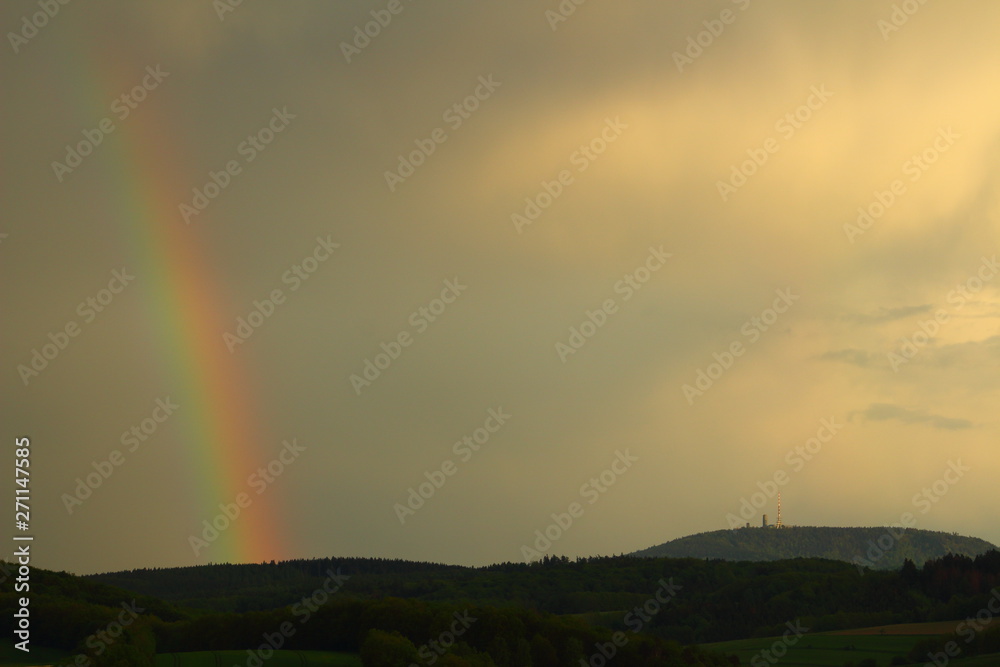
(778, 524)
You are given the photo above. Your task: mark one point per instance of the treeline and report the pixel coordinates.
(719, 600)
(420, 632)
(259, 586)
(410, 631)
(555, 607)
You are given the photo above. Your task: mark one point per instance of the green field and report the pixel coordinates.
(979, 661)
(279, 659)
(11, 657)
(822, 650)
(836, 649)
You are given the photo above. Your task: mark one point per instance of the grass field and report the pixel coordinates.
(279, 659)
(979, 661)
(823, 650)
(12, 657)
(834, 649)
(932, 628)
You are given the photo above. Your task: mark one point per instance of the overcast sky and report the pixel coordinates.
(624, 196)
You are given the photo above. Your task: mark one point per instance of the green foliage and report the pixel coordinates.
(555, 612)
(387, 649)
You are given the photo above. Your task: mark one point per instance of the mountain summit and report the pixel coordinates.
(877, 548)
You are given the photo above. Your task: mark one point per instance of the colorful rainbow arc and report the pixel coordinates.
(218, 410)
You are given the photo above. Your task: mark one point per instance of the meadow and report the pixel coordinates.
(12, 657)
(278, 659)
(836, 649)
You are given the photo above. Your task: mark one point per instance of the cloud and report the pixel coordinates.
(656, 184)
(883, 314)
(861, 358)
(888, 411)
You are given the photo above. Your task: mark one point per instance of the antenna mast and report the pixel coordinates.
(778, 524)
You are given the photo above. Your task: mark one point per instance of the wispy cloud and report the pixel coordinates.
(889, 411)
(854, 356)
(883, 314)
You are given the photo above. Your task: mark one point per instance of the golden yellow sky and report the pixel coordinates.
(901, 122)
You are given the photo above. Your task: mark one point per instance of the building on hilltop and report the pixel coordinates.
(777, 524)
(763, 521)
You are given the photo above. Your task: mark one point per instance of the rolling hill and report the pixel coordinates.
(878, 548)
(548, 612)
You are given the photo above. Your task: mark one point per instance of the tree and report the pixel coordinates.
(543, 653)
(387, 649)
(522, 653)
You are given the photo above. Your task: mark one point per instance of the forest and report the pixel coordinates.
(554, 612)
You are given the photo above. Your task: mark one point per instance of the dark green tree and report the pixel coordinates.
(387, 649)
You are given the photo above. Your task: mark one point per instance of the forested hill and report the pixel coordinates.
(878, 548)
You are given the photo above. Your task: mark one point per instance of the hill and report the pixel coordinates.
(877, 548)
(549, 613)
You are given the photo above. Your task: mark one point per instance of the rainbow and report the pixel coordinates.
(221, 441)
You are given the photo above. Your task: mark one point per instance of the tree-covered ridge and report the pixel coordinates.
(876, 547)
(549, 613)
(254, 586)
(719, 599)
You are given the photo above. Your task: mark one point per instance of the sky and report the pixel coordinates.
(480, 282)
